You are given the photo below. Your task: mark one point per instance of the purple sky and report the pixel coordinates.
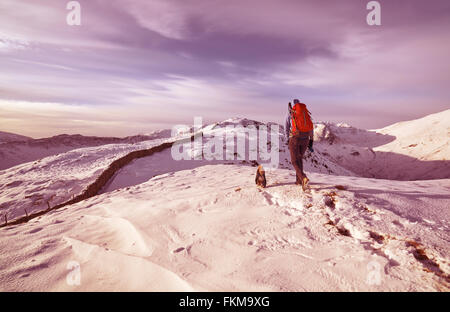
(139, 65)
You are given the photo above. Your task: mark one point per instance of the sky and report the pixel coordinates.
(134, 66)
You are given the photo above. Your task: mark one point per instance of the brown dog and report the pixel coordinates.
(260, 178)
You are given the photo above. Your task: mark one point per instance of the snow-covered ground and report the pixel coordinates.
(426, 138)
(50, 181)
(34, 186)
(411, 150)
(18, 150)
(161, 224)
(210, 228)
(143, 169)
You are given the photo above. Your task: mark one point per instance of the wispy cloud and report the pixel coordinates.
(218, 59)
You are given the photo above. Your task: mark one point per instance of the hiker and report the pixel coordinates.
(300, 134)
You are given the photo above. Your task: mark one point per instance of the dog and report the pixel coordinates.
(260, 178)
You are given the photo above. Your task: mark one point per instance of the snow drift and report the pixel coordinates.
(17, 150)
(411, 150)
(211, 229)
(151, 223)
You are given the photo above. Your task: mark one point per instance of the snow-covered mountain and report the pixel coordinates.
(50, 181)
(6, 137)
(144, 169)
(340, 150)
(130, 215)
(18, 151)
(427, 138)
(410, 150)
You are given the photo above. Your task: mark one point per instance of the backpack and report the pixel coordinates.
(301, 119)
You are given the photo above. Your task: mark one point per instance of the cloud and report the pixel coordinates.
(9, 45)
(365, 65)
(163, 17)
(220, 58)
(47, 119)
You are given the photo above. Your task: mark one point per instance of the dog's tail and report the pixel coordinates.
(260, 178)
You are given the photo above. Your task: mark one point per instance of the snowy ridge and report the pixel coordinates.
(6, 137)
(51, 181)
(17, 152)
(141, 170)
(426, 138)
(93, 188)
(210, 228)
(411, 150)
(203, 225)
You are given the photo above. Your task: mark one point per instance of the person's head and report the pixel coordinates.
(296, 101)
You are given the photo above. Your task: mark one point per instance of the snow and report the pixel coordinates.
(16, 152)
(426, 138)
(143, 169)
(166, 225)
(210, 228)
(27, 188)
(50, 181)
(411, 150)
(6, 137)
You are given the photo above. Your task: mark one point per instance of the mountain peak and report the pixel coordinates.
(6, 137)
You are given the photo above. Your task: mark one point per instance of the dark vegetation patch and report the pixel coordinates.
(377, 237)
(330, 199)
(343, 231)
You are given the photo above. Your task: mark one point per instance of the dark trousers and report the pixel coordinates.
(297, 147)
